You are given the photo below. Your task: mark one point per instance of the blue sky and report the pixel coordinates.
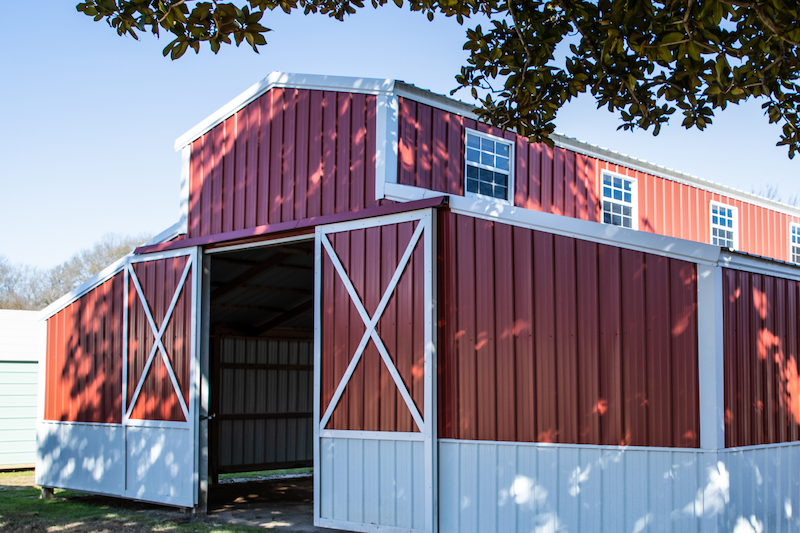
(90, 118)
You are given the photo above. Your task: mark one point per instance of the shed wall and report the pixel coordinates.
(84, 357)
(18, 392)
(545, 338)
(563, 182)
(289, 155)
(762, 385)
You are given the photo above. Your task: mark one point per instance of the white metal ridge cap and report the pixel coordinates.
(73, 295)
(760, 265)
(284, 79)
(692, 251)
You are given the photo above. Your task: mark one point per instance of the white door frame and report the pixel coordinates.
(425, 422)
(190, 280)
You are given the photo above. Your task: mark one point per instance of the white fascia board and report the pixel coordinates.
(168, 234)
(104, 275)
(562, 141)
(294, 81)
(758, 265)
(691, 251)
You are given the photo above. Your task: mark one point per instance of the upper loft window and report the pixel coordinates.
(724, 225)
(488, 166)
(794, 242)
(619, 200)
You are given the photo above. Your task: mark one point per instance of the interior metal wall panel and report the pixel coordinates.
(369, 481)
(545, 338)
(265, 413)
(159, 280)
(371, 401)
(291, 154)
(563, 182)
(762, 385)
(84, 357)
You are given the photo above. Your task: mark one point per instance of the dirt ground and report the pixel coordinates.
(283, 505)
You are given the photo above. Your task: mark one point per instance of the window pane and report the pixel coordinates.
(472, 186)
(626, 210)
(486, 188)
(473, 141)
(617, 183)
(616, 208)
(626, 222)
(607, 192)
(472, 172)
(607, 218)
(487, 159)
(487, 175)
(628, 197)
(501, 179)
(502, 163)
(473, 155)
(487, 145)
(501, 192)
(606, 206)
(606, 179)
(617, 194)
(627, 185)
(616, 220)
(714, 220)
(502, 149)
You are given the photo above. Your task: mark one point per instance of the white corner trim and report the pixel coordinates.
(283, 79)
(710, 357)
(695, 252)
(388, 134)
(758, 265)
(183, 209)
(96, 280)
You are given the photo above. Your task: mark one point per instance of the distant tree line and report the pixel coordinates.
(26, 287)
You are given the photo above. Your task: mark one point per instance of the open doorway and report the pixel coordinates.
(261, 362)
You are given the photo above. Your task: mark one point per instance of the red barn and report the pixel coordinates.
(459, 330)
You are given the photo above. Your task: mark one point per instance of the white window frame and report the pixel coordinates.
(735, 216)
(634, 197)
(510, 194)
(791, 226)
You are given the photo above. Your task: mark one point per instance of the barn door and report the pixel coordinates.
(160, 374)
(374, 368)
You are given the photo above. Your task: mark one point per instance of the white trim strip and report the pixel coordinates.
(259, 244)
(756, 265)
(68, 423)
(613, 447)
(371, 435)
(137, 422)
(282, 79)
(386, 154)
(363, 528)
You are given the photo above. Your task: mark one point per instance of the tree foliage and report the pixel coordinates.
(25, 287)
(645, 60)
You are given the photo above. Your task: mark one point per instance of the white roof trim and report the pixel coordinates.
(179, 228)
(759, 265)
(283, 79)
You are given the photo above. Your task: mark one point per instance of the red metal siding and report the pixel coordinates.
(159, 280)
(762, 386)
(544, 338)
(560, 181)
(289, 155)
(371, 400)
(84, 358)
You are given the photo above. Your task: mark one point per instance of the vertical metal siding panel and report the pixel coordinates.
(264, 163)
(49, 365)
(757, 358)
(301, 176)
(407, 158)
(470, 482)
(535, 177)
(589, 401)
(610, 345)
(447, 364)
(566, 339)
(357, 382)
(782, 370)
(195, 184)
(227, 174)
(521, 175)
(523, 330)
(371, 359)
(289, 153)
(790, 351)
(559, 185)
(357, 163)
(581, 201)
(240, 169)
(342, 321)
(329, 134)
(634, 351)
(484, 326)
(467, 336)
(743, 363)
(770, 372)
(547, 179)
(570, 188)
(277, 140)
(694, 195)
(314, 154)
(403, 330)
(729, 296)
(686, 212)
(455, 163)
(683, 288)
(387, 327)
(646, 184)
(424, 150)
(439, 150)
(343, 141)
(546, 372)
(371, 151)
(671, 212)
(218, 142)
(251, 181)
(660, 397)
(328, 325)
(592, 189)
(504, 301)
(207, 169)
(355, 480)
(416, 378)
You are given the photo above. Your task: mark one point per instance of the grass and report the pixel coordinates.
(268, 473)
(74, 512)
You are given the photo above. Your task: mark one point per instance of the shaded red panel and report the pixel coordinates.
(546, 358)
(486, 339)
(634, 350)
(566, 304)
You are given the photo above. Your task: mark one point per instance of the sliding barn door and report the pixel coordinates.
(160, 377)
(374, 374)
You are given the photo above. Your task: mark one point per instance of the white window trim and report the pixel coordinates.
(634, 197)
(510, 198)
(792, 225)
(735, 211)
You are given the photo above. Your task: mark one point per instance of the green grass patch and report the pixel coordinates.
(265, 473)
(22, 510)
